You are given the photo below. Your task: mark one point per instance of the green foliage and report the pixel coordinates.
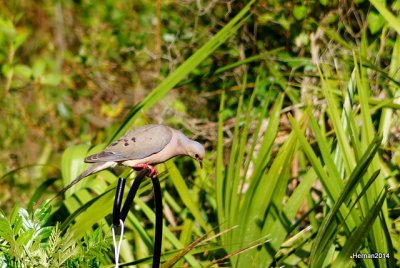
(25, 239)
(297, 104)
(264, 214)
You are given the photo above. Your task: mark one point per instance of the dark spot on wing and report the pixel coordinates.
(126, 144)
(133, 139)
(114, 143)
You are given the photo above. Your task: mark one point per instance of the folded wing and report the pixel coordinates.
(136, 144)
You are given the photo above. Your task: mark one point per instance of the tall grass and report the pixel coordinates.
(298, 180)
(313, 199)
(344, 159)
(83, 218)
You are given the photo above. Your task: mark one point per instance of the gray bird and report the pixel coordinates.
(142, 148)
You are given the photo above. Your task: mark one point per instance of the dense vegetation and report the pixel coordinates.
(296, 103)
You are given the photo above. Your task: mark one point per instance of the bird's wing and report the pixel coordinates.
(136, 144)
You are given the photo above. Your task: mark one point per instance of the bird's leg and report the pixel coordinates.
(153, 172)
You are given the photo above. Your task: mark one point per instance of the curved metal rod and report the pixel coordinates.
(119, 194)
(132, 193)
(159, 222)
(122, 214)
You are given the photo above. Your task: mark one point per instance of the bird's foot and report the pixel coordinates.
(153, 172)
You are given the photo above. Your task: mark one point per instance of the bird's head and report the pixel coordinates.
(196, 151)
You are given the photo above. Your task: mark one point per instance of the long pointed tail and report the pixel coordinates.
(92, 169)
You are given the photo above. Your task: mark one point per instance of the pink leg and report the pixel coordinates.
(153, 172)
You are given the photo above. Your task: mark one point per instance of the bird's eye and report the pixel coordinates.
(196, 155)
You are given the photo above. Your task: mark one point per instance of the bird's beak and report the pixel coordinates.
(200, 162)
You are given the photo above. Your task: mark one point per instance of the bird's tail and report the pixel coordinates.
(91, 170)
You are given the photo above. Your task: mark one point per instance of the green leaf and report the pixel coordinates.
(323, 2)
(392, 20)
(265, 18)
(375, 22)
(23, 70)
(6, 232)
(20, 39)
(51, 79)
(8, 29)
(284, 22)
(7, 70)
(72, 162)
(184, 193)
(299, 12)
(14, 214)
(38, 68)
(25, 237)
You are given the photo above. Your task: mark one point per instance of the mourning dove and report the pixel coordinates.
(142, 148)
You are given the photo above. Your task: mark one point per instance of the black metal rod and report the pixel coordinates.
(132, 193)
(159, 222)
(119, 194)
(122, 214)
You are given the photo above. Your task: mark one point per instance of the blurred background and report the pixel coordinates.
(79, 72)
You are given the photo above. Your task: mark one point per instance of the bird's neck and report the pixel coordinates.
(183, 143)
